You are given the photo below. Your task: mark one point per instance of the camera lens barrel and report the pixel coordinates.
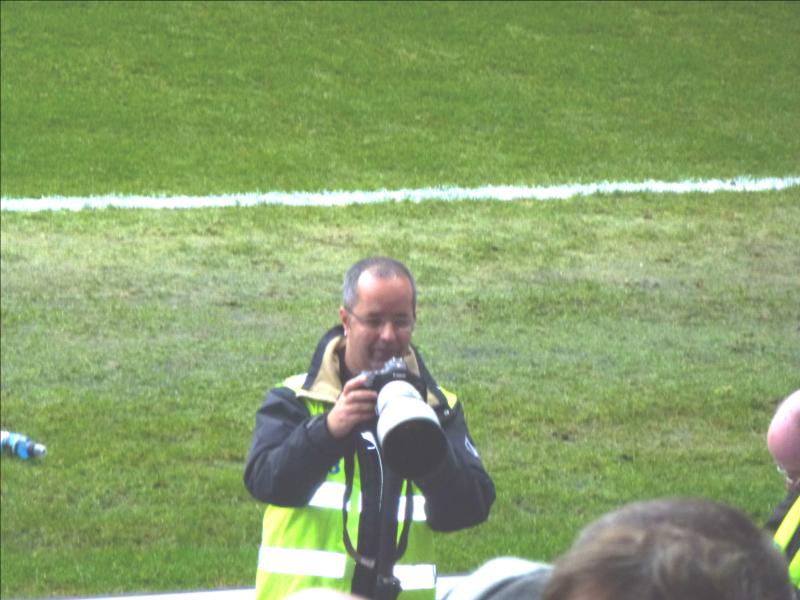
(411, 438)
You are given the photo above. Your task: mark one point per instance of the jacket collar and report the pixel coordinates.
(324, 383)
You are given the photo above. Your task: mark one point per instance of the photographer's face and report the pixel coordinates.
(379, 326)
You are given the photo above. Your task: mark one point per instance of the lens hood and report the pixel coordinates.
(411, 439)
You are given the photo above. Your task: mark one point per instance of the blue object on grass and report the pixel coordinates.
(21, 445)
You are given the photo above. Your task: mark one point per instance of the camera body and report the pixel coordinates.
(394, 369)
(409, 434)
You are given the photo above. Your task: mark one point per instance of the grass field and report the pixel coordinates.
(606, 349)
(217, 97)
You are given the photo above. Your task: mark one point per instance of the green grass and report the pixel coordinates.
(232, 97)
(606, 349)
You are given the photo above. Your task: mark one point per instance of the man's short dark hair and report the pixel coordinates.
(382, 267)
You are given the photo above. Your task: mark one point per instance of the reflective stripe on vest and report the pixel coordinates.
(784, 535)
(330, 494)
(416, 577)
(291, 561)
(331, 565)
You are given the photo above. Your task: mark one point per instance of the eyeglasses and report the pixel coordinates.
(401, 324)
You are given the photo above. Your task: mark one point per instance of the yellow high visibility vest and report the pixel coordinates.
(303, 547)
(783, 537)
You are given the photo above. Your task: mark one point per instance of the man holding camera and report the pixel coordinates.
(341, 514)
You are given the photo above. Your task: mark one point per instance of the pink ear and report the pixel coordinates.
(783, 436)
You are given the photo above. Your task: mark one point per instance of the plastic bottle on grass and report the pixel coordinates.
(21, 445)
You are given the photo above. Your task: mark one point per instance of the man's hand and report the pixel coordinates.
(355, 405)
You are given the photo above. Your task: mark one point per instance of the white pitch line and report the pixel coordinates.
(342, 198)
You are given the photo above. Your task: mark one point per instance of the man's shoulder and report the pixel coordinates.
(450, 399)
(780, 512)
(295, 382)
(322, 390)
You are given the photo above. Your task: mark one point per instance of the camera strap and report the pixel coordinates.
(349, 469)
(348, 491)
(408, 517)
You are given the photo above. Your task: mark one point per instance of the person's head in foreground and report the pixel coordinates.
(783, 439)
(671, 549)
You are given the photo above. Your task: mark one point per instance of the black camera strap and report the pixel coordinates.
(409, 516)
(402, 544)
(349, 469)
